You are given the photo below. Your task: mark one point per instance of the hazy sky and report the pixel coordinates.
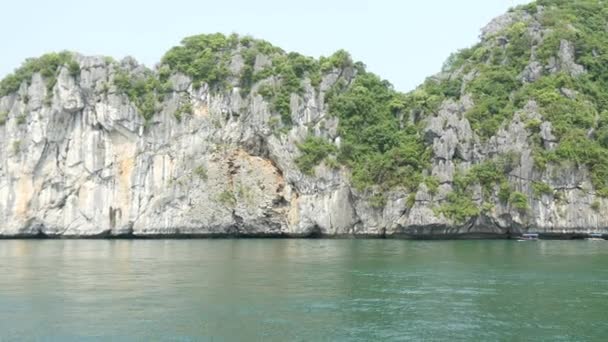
(402, 40)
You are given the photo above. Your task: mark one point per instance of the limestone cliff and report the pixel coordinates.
(97, 147)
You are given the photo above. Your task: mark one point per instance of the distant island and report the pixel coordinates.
(230, 136)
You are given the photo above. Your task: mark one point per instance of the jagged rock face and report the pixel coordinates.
(89, 165)
(78, 159)
(568, 210)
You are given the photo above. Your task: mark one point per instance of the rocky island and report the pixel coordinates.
(232, 136)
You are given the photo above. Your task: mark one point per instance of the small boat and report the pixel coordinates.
(528, 237)
(595, 237)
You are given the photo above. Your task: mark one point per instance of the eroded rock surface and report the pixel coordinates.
(79, 159)
(89, 165)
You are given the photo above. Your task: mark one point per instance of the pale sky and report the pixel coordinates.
(403, 41)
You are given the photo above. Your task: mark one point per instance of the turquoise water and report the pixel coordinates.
(303, 290)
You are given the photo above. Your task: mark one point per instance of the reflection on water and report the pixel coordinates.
(302, 289)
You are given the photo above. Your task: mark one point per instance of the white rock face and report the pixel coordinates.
(87, 164)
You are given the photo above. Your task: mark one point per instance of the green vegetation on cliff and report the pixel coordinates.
(144, 91)
(47, 65)
(215, 59)
(381, 135)
(572, 97)
(491, 177)
(3, 117)
(313, 151)
(378, 142)
(568, 40)
(206, 58)
(549, 63)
